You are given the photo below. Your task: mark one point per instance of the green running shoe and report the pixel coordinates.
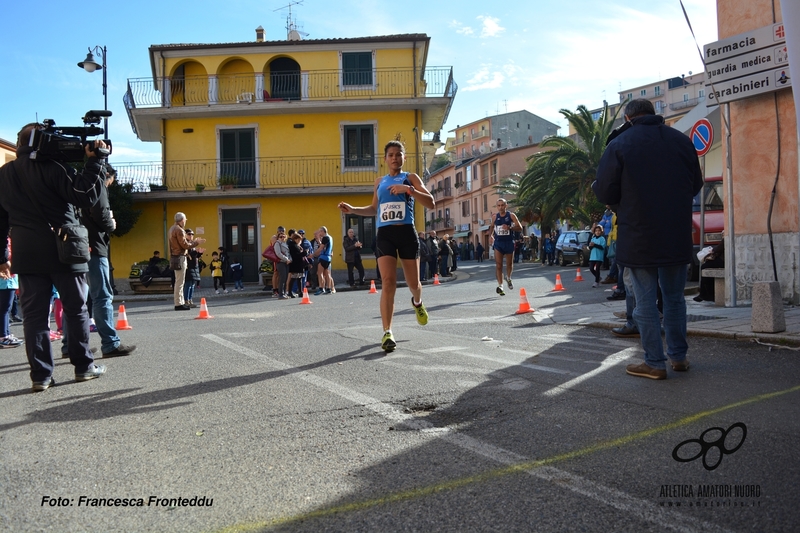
(422, 313)
(500, 291)
(388, 343)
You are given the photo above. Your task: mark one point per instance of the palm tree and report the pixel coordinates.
(557, 184)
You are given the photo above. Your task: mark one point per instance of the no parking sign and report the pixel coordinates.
(702, 135)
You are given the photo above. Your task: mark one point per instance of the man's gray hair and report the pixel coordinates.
(179, 216)
(638, 107)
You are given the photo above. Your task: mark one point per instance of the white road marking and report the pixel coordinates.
(642, 509)
(609, 362)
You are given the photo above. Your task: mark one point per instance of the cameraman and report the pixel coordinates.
(59, 189)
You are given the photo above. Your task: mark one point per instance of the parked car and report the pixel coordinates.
(714, 220)
(573, 247)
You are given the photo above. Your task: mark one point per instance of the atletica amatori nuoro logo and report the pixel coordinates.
(721, 444)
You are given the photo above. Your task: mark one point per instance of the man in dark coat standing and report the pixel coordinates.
(58, 190)
(652, 172)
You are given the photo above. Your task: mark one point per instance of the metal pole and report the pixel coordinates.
(730, 246)
(105, 92)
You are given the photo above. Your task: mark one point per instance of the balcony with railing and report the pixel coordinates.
(280, 87)
(209, 175)
(148, 100)
(439, 224)
(480, 134)
(691, 102)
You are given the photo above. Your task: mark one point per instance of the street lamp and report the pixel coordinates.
(90, 65)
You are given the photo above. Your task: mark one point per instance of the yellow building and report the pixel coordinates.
(266, 133)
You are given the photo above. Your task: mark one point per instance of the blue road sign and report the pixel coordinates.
(702, 135)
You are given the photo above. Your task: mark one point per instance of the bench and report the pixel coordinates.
(156, 286)
(719, 283)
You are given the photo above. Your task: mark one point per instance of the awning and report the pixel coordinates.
(484, 228)
(460, 234)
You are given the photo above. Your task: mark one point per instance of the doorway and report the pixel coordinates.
(239, 239)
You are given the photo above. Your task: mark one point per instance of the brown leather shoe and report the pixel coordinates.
(609, 280)
(681, 366)
(644, 371)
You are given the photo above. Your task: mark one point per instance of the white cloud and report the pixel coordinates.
(491, 26)
(460, 28)
(484, 79)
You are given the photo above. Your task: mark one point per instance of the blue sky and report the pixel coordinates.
(534, 55)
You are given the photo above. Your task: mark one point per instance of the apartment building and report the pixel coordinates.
(265, 133)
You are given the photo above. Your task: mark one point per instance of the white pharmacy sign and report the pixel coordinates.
(746, 65)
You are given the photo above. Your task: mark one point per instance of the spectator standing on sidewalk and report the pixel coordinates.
(352, 257)
(424, 256)
(99, 220)
(652, 172)
(433, 253)
(179, 245)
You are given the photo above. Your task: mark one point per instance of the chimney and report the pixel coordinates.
(259, 34)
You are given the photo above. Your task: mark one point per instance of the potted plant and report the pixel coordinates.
(199, 187)
(227, 181)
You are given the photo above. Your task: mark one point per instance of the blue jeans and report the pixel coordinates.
(645, 282)
(6, 301)
(188, 289)
(102, 297)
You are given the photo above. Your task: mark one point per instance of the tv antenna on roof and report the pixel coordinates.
(292, 31)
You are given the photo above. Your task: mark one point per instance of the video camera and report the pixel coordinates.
(66, 144)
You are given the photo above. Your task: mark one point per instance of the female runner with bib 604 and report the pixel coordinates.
(393, 204)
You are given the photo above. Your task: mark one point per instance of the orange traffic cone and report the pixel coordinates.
(372, 289)
(578, 276)
(122, 320)
(524, 306)
(306, 299)
(436, 279)
(559, 286)
(203, 311)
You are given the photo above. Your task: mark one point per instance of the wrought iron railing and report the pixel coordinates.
(286, 86)
(262, 173)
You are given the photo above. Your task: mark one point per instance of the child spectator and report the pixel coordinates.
(216, 273)
(597, 246)
(237, 271)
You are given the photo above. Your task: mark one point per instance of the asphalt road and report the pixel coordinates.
(288, 417)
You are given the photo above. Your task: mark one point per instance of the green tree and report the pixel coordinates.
(557, 184)
(120, 197)
(439, 161)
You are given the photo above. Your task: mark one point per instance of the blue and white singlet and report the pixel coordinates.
(394, 208)
(499, 233)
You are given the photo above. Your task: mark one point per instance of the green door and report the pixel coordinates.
(239, 239)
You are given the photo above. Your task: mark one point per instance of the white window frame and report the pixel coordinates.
(219, 129)
(342, 86)
(342, 151)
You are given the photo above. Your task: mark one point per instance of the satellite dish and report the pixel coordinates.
(492, 144)
(294, 35)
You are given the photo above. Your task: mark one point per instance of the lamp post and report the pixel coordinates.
(90, 65)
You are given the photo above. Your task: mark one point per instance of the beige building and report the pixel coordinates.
(7, 151)
(465, 193)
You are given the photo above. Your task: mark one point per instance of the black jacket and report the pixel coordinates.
(99, 221)
(59, 189)
(652, 172)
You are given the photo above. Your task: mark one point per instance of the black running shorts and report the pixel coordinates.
(397, 241)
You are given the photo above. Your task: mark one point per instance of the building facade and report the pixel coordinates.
(466, 194)
(509, 130)
(266, 133)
